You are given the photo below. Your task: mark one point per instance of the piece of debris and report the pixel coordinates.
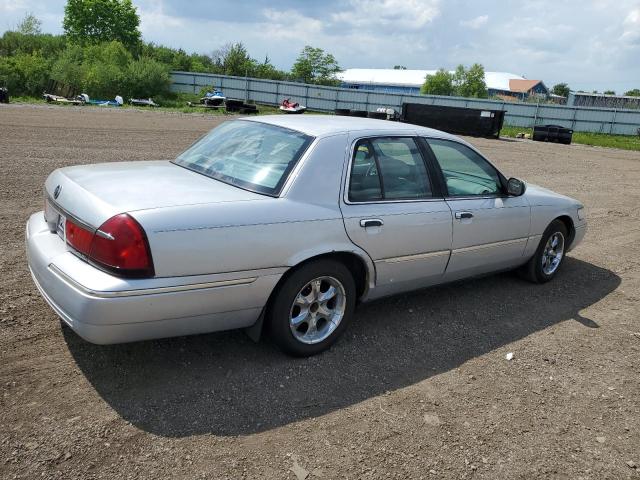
(509, 356)
(51, 98)
(143, 102)
(520, 135)
(299, 471)
(432, 419)
(632, 464)
(601, 439)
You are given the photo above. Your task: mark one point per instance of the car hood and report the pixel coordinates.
(94, 193)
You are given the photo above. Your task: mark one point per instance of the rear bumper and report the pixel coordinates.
(105, 309)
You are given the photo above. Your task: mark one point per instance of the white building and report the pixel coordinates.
(410, 81)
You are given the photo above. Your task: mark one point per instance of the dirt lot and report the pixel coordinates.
(418, 388)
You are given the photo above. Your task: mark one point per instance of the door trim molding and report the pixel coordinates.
(489, 245)
(418, 256)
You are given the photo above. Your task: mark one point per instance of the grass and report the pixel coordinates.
(173, 103)
(624, 142)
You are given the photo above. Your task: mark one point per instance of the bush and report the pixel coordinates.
(146, 78)
(108, 69)
(69, 68)
(24, 74)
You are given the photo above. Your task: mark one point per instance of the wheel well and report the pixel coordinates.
(568, 222)
(352, 261)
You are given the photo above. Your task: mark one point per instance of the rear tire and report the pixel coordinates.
(312, 308)
(546, 262)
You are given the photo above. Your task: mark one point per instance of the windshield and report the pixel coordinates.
(251, 155)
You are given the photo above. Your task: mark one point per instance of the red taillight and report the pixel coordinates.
(119, 245)
(78, 237)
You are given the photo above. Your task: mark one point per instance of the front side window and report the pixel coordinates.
(251, 155)
(465, 172)
(388, 168)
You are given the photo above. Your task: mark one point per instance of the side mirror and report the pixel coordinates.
(515, 187)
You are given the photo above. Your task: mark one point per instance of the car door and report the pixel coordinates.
(490, 228)
(394, 211)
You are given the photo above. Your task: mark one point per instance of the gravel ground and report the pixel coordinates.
(419, 387)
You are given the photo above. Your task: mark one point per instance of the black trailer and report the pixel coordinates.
(458, 120)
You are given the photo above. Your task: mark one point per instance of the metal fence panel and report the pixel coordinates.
(321, 98)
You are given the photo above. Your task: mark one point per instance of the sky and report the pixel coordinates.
(591, 45)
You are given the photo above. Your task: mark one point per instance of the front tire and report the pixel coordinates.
(312, 308)
(546, 262)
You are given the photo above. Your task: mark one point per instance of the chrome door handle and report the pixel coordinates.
(371, 222)
(462, 215)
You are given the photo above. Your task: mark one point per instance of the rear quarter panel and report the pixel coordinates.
(256, 234)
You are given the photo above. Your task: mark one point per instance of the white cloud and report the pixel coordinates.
(290, 24)
(475, 22)
(154, 18)
(12, 5)
(397, 14)
(631, 28)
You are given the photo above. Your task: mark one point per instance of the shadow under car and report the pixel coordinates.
(225, 384)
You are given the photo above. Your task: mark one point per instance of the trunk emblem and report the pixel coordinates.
(56, 192)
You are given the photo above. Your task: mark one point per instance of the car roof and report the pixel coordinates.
(327, 125)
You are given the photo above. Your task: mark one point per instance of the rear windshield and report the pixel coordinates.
(251, 155)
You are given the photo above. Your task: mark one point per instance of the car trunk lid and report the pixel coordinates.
(95, 193)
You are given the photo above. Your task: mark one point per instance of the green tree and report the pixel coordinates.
(267, 70)
(473, 84)
(14, 43)
(95, 21)
(609, 92)
(237, 61)
(440, 83)
(399, 67)
(313, 65)
(30, 25)
(561, 89)
(458, 78)
(633, 93)
(105, 69)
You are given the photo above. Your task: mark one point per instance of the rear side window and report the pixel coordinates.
(465, 172)
(388, 168)
(251, 155)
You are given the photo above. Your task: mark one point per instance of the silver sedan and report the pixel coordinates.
(284, 224)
